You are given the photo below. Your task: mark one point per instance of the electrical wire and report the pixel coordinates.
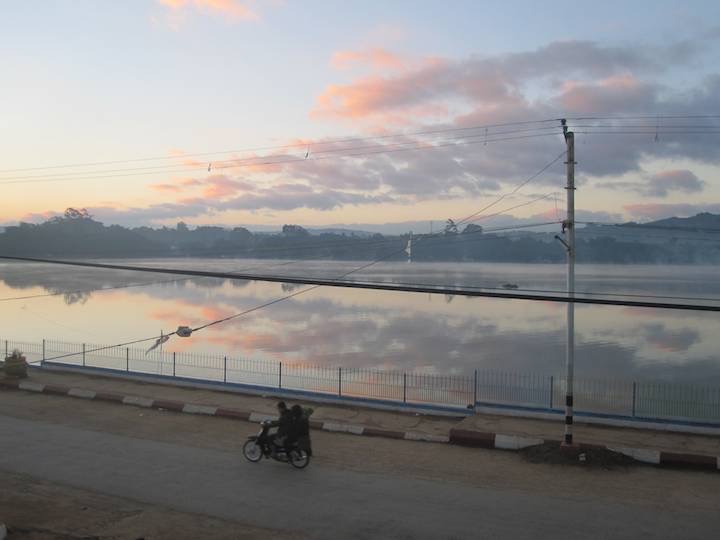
(516, 188)
(416, 147)
(94, 290)
(552, 291)
(128, 286)
(644, 117)
(251, 160)
(304, 144)
(648, 132)
(290, 145)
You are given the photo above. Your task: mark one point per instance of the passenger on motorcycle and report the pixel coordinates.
(299, 430)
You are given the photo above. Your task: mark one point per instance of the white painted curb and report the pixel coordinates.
(416, 436)
(640, 454)
(32, 386)
(343, 428)
(511, 442)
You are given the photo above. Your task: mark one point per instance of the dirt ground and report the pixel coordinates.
(37, 510)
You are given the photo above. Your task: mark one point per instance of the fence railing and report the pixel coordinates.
(631, 399)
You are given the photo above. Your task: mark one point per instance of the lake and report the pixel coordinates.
(394, 330)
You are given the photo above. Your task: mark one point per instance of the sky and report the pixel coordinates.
(250, 109)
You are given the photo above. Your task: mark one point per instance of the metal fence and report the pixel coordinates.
(631, 399)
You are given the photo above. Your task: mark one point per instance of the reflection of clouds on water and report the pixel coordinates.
(670, 340)
(360, 328)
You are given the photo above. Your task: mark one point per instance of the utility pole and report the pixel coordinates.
(569, 227)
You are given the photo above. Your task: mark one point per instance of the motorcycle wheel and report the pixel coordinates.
(298, 459)
(252, 451)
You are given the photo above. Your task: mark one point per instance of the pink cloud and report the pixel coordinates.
(219, 187)
(376, 58)
(229, 8)
(166, 187)
(609, 94)
(409, 95)
(177, 185)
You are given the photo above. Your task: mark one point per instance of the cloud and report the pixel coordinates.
(220, 187)
(674, 180)
(623, 91)
(293, 196)
(377, 58)
(232, 9)
(570, 78)
(495, 80)
(558, 80)
(659, 336)
(661, 184)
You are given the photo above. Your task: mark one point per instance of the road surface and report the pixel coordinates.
(162, 459)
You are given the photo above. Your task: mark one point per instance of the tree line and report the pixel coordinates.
(78, 234)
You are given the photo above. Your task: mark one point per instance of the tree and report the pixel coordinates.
(74, 213)
(472, 229)
(294, 230)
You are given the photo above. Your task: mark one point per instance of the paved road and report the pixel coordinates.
(321, 501)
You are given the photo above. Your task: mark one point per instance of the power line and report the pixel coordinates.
(551, 291)
(532, 201)
(384, 150)
(516, 188)
(252, 159)
(643, 117)
(289, 145)
(646, 126)
(127, 286)
(96, 289)
(648, 132)
(304, 144)
(339, 282)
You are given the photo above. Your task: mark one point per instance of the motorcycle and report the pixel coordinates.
(261, 445)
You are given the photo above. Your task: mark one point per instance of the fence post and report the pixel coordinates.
(404, 387)
(552, 388)
(43, 358)
(127, 358)
(225, 369)
(83, 354)
(634, 398)
(173, 363)
(475, 385)
(6, 348)
(339, 381)
(280, 376)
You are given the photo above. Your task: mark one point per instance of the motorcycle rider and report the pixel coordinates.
(283, 423)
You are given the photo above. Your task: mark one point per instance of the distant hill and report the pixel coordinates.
(341, 232)
(77, 234)
(704, 220)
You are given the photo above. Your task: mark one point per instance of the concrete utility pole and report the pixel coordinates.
(569, 227)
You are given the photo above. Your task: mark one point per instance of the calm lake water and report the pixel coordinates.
(363, 328)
